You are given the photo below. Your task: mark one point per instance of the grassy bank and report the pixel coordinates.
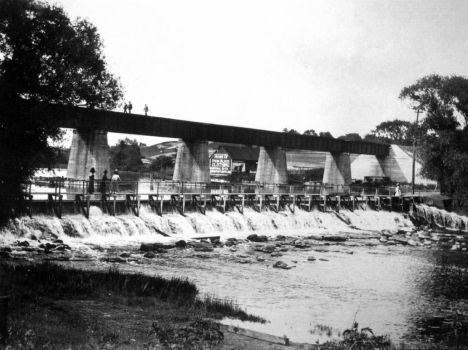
(56, 307)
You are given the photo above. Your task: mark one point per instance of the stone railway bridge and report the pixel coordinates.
(90, 147)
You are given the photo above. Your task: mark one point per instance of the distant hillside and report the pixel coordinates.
(168, 148)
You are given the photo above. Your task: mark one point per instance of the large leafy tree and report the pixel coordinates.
(126, 155)
(396, 131)
(443, 133)
(44, 57)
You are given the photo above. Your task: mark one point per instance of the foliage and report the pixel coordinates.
(44, 57)
(162, 162)
(290, 131)
(443, 132)
(396, 131)
(325, 134)
(351, 137)
(310, 132)
(126, 155)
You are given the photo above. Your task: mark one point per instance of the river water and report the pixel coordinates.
(391, 288)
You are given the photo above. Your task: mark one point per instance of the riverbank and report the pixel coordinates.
(55, 308)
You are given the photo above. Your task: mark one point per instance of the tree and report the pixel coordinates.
(325, 134)
(126, 155)
(351, 137)
(310, 132)
(44, 57)
(290, 131)
(443, 133)
(162, 162)
(396, 131)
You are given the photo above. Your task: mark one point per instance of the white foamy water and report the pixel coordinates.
(104, 229)
(443, 218)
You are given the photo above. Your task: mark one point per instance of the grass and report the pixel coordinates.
(55, 307)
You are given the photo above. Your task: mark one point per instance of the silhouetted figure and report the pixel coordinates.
(125, 108)
(115, 181)
(130, 107)
(103, 184)
(91, 181)
(146, 109)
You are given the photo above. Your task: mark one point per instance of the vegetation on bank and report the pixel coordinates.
(56, 307)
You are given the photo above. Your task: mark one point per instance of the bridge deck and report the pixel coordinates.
(76, 118)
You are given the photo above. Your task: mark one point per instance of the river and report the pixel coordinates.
(389, 287)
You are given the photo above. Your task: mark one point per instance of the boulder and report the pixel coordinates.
(230, 242)
(412, 242)
(259, 258)
(280, 238)
(125, 255)
(301, 244)
(276, 254)
(149, 255)
(335, 238)
(386, 233)
(202, 246)
(155, 247)
(257, 238)
(5, 249)
(281, 265)
(269, 248)
(181, 244)
(22, 244)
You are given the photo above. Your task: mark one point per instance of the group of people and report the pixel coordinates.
(128, 108)
(114, 182)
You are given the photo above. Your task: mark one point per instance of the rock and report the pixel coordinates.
(315, 237)
(265, 248)
(149, 255)
(323, 259)
(230, 242)
(276, 254)
(386, 233)
(115, 259)
(233, 250)
(181, 244)
(391, 242)
(125, 255)
(383, 239)
(202, 246)
(257, 238)
(280, 238)
(284, 249)
(399, 240)
(58, 241)
(301, 244)
(22, 244)
(335, 238)
(157, 247)
(281, 265)
(294, 261)
(412, 242)
(5, 249)
(259, 258)
(350, 252)
(244, 261)
(311, 258)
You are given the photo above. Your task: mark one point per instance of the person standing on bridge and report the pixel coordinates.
(146, 109)
(91, 181)
(130, 107)
(115, 181)
(397, 190)
(125, 107)
(103, 184)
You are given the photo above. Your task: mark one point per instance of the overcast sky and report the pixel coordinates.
(326, 65)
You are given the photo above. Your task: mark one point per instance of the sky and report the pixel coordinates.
(331, 65)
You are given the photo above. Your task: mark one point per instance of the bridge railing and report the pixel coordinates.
(66, 186)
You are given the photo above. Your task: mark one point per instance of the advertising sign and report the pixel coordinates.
(220, 163)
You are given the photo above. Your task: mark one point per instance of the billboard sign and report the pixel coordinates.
(220, 163)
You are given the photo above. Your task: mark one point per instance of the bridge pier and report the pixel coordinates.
(337, 169)
(271, 166)
(192, 162)
(89, 149)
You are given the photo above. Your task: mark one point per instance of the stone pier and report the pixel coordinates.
(89, 149)
(271, 166)
(337, 169)
(192, 162)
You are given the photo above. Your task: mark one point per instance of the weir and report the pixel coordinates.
(70, 196)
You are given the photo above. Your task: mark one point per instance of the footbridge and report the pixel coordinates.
(90, 148)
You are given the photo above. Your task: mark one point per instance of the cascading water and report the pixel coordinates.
(442, 218)
(102, 229)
